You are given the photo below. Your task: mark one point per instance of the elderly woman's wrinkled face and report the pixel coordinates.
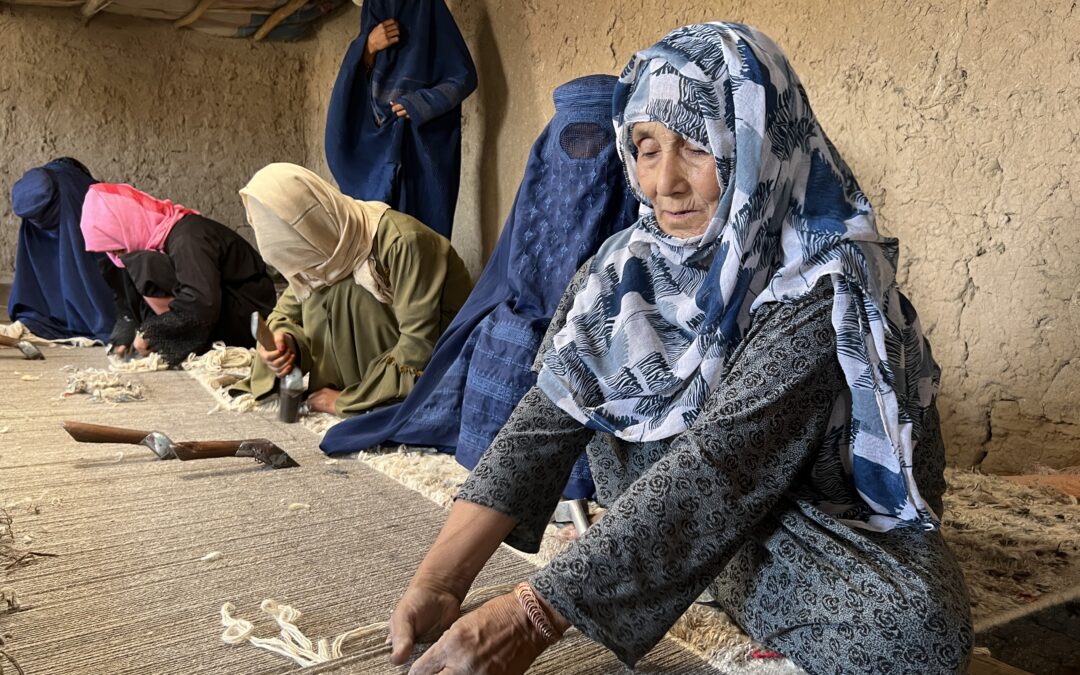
(679, 178)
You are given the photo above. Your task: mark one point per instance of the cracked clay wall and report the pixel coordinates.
(960, 121)
(179, 114)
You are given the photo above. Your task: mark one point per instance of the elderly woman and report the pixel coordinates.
(370, 291)
(755, 395)
(188, 280)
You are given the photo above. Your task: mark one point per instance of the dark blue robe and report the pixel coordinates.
(59, 291)
(413, 165)
(572, 197)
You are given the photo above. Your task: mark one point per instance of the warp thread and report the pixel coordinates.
(243, 403)
(293, 644)
(222, 367)
(13, 330)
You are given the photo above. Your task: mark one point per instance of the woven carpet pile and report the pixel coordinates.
(143, 553)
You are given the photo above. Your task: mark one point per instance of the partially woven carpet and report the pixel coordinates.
(147, 551)
(1015, 543)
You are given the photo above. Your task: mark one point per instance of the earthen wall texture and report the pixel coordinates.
(181, 115)
(959, 119)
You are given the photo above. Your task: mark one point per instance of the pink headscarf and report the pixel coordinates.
(116, 216)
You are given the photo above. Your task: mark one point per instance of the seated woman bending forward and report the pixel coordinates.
(181, 280)
(370, 291)
(755, 395)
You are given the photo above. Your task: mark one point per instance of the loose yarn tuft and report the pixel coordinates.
(221, 358)
(293, 644)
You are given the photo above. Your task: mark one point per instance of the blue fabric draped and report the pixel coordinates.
(572, 197)
(58, 291)
(413, 165)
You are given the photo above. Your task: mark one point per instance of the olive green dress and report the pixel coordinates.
(372, 352)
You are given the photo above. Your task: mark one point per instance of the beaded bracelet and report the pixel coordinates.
(535, 611)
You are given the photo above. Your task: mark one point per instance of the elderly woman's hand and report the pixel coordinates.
(281, 359)
(423, 613)
(496, 639)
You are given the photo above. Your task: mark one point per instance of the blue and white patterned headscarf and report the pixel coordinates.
(647, 340)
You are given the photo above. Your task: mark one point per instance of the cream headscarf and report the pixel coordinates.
(312, 233)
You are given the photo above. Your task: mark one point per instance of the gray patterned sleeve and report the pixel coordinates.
(523, 473)
(627, 580)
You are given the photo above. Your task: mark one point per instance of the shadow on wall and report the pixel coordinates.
(494, 98)
(488, 113)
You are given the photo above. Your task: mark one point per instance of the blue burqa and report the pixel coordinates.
(413, 165)
(58, 291)
(573, 196)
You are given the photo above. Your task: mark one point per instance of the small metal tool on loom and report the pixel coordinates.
(29, 351)
(291, 386)
(260, 449)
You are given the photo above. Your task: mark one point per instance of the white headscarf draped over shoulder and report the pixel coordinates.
(311, 232)
(648, 339)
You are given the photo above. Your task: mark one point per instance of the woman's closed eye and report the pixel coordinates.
(648, 148)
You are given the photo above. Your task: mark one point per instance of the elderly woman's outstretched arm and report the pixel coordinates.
(629, 578)
(477, 524)
(433, 599)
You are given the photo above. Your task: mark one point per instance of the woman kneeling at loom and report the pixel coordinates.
(370, 291)
(187, 280)
(58, 291)
(755, 396)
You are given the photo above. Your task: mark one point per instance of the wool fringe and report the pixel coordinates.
(293, 644)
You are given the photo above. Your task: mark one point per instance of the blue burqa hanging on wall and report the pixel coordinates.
(413, 165)
(58, 291)
(573, 196)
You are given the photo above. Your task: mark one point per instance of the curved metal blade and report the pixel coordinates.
(266, 452)
(30, 351)
(160, 444)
